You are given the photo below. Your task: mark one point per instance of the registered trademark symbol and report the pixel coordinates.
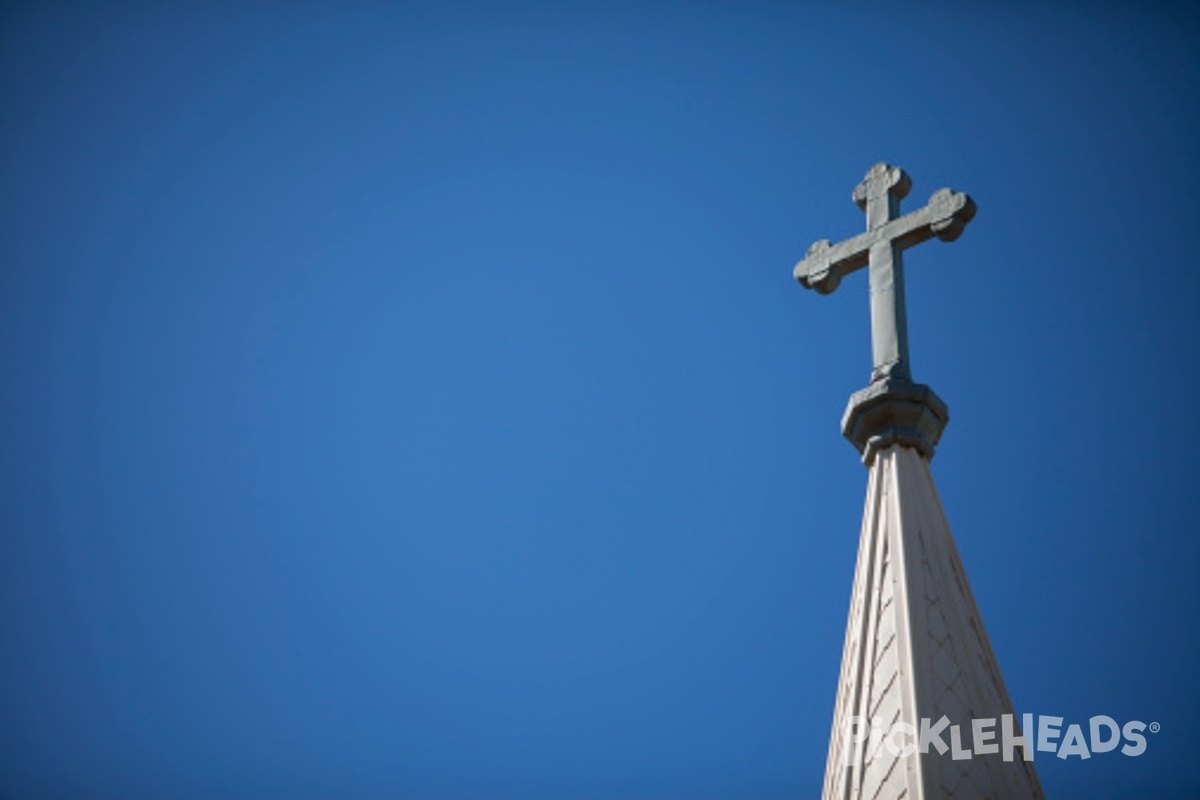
(1155, 727)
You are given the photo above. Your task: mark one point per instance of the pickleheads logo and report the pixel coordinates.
(903, 739)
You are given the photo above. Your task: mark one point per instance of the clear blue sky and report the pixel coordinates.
(415, 400)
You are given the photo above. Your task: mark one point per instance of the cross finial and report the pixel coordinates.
(892, 408)
(881, 249)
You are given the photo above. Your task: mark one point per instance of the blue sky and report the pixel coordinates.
(415, 400)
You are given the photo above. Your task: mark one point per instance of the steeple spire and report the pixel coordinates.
(921, 710)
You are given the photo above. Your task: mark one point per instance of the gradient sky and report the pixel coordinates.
(415, 400)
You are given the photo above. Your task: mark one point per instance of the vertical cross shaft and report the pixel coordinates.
(879, 195)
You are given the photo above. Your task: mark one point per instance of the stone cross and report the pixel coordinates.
(881, 249)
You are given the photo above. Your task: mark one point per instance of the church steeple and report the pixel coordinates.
(921, 710)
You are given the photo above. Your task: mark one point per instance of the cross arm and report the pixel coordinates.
(825, 264)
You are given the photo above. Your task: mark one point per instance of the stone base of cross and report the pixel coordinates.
(893, 409)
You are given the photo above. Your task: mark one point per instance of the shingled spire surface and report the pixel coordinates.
(916, 650)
